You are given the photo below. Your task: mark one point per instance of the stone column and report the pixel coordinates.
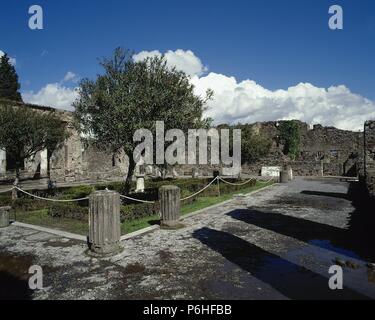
(290, 172)
(140, 187)
(195, 172)
(284, 176)
(44, 162)
(169, 197)
(3, 161)
(4, 216)
(104, 223)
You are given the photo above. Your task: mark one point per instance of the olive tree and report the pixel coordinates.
(133, 95)
(25, 131)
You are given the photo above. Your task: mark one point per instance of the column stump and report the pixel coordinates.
(290, 172)
(4, 217)
(284, 176)
(104, 223)
(169, 197)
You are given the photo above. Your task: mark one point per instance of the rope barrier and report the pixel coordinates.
(49, 199)
(260, 181)
(194, 194)
(133, 199)
(236, 184)
(5, 191)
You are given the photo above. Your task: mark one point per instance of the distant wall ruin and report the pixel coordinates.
(73, 161)
(323, 150)
(369, 157)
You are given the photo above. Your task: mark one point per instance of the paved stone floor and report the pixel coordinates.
(279, 245)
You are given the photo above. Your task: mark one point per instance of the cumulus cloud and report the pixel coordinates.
(12, 60)
(248, 102)
(54, 95)
(70, 77)
(185, 61)
(243, 101)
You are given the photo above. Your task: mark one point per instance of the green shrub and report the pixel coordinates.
(136, 211)
(67, 210)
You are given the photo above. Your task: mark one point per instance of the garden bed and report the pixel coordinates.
(73, 217)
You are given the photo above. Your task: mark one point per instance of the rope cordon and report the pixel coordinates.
(133, 199)
(236, 184)
(194, 194)
(49, 199)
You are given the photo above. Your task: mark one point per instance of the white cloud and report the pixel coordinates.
(185, 61)
(12, 60)
(54, 95)
(248, 102)
(244, 101)
(70, 77)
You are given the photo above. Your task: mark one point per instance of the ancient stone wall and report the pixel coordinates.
(337, 152)
(369, 156)
(73, 161)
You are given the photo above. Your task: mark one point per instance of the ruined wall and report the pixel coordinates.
(76, 161)
(335, 151)
(73, 161)
(369, 156)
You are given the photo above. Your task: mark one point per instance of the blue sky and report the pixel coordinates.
(278, 44)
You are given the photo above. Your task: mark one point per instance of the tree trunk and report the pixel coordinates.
(128, 180)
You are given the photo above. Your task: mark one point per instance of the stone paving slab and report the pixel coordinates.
(278, 245)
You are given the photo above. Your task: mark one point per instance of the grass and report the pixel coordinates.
(204, 202)
(41, 217)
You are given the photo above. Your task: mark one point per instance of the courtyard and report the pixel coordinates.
(277, 243)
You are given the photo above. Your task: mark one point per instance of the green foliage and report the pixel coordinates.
(133, 95)
(290, 136)
(253, 146)
(76, 192)
(24, 131)
(9, 85)
(137, 211)
(68, 210)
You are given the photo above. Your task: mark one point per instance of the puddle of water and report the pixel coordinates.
(298, 282)
(326, 244)
(14, 277)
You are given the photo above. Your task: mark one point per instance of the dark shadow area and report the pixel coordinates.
(14, 276)
(291, 280)
(361, 224)
(327, 194)
(13, 288)
(356, 241)
(298, 228)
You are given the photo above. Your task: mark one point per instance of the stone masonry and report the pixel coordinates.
(369, 156)
(73, 161)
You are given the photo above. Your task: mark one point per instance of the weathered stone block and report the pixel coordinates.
(284, 176)
(4, 216)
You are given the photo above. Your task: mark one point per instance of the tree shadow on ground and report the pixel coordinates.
(291, 280)
(13, 288)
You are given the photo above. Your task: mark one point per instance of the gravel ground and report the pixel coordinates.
(278, 243)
